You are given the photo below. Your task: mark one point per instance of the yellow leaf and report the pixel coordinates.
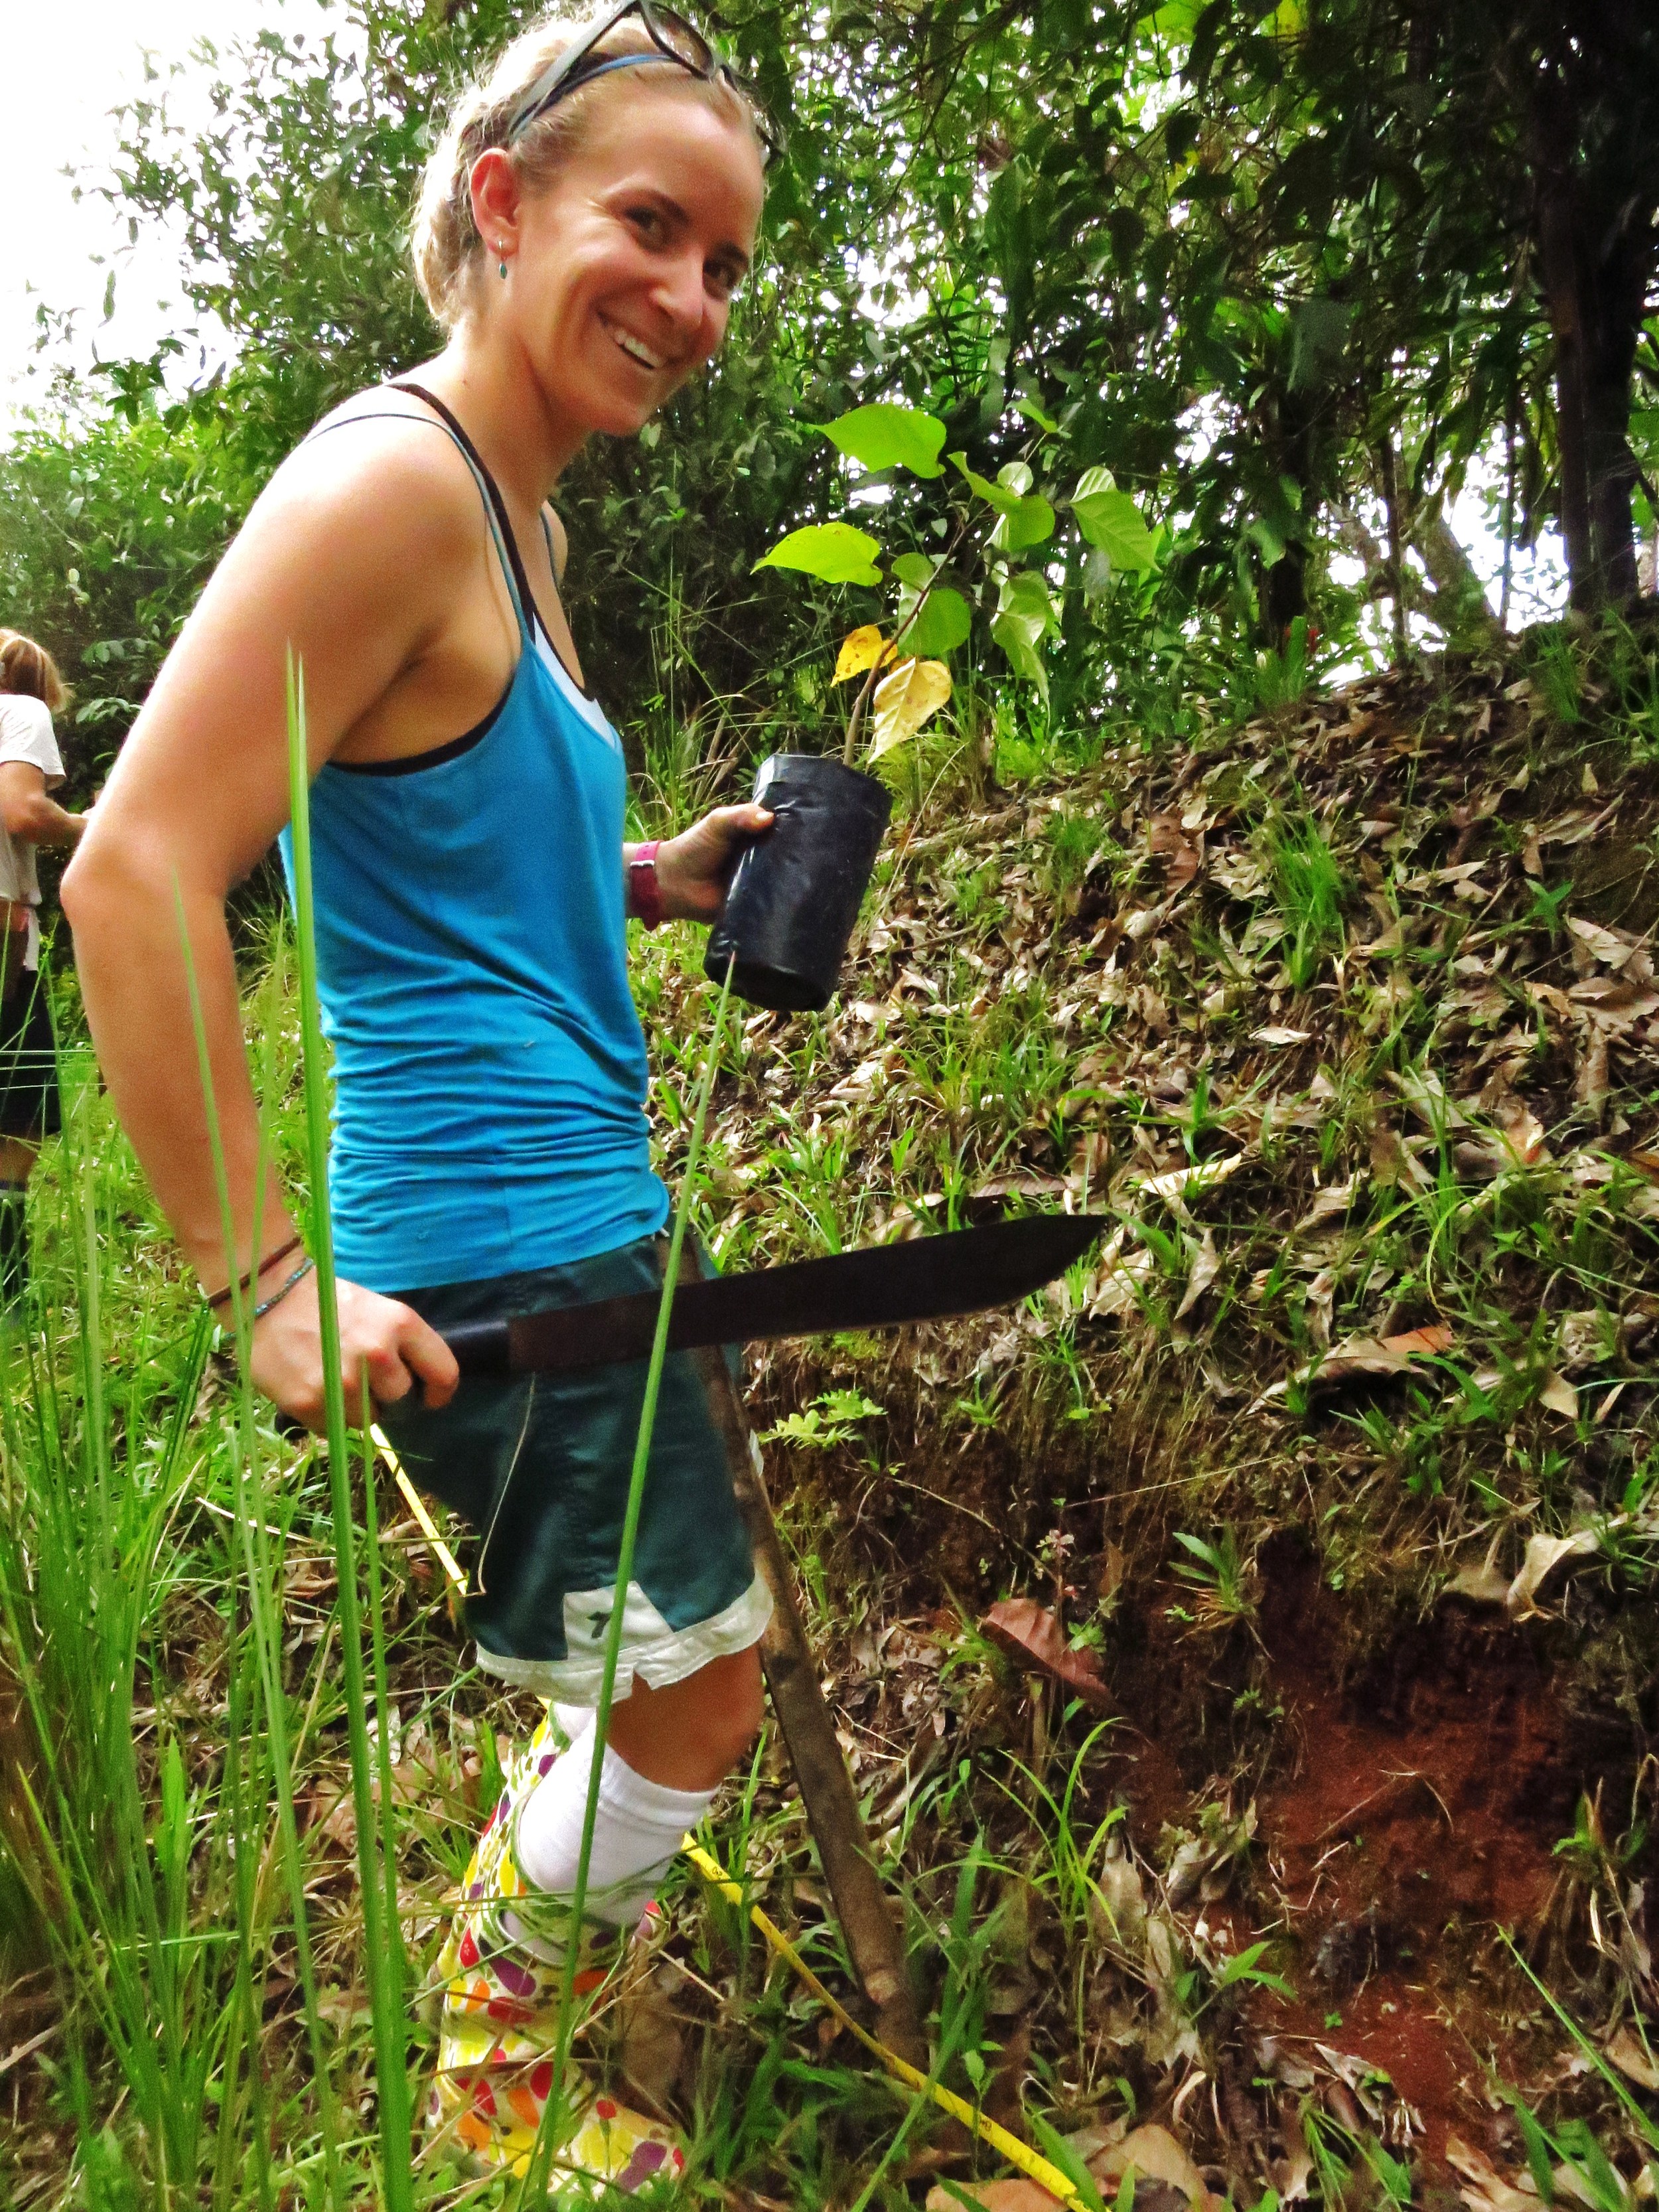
(861, 649)
(905, 700)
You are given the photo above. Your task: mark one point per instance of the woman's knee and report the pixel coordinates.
(746, 1708)
(726, 1707)
(691, 1734)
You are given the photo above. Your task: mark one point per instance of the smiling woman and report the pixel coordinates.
(585, 223)
(537, 125)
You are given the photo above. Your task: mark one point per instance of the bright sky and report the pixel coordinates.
(69, 62)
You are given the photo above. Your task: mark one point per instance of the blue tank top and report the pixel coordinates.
(490, 1070)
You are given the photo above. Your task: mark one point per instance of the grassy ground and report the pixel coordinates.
(1327, 1481)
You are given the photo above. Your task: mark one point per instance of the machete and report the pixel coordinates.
(923, 1278)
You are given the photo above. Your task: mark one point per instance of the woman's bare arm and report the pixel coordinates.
(350, 560)
(27, 811)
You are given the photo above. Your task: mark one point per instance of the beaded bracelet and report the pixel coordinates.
(216, 1298)
(277, 1296)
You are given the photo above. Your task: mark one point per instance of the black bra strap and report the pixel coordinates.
(512, 568)
(519, 575)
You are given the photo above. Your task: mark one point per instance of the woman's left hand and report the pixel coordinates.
(694, 869)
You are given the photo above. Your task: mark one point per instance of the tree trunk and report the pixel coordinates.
(1557, 252)
(1619, 297)
(1461, 605)
(1284, 594)
(1396, 549)
(1596, 249)
(1288, 422)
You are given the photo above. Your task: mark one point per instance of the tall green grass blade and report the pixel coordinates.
(263, 1608)
(396, 1964)
(385, 2002)
(1643, 2122)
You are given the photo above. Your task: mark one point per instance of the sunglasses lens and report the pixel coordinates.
(678, 37)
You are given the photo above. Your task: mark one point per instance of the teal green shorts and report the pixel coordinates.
(540, 1465)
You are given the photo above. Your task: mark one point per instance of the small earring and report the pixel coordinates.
(503, 272)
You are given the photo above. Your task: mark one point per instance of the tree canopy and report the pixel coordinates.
(1272, 285)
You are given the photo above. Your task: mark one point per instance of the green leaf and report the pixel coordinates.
(885, 436)
(1031, 523)
(915, 569)
(1058, 2152)
(1288, 20)
(1033, 413)
(945, 620)
(1271, 544)
(1025, 615)
(1244, 1968)
(1393, 2173)
(1026, 595)
(1015, 476)
(834, 552)
(1537, 2149)
(1174, 20)
(941, 627)
(1001, 497)
(1021, 654)
(849, 1406)
(1109, 519)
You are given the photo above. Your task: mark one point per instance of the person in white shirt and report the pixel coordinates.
(31, 691)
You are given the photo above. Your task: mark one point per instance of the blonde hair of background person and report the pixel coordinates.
(581, 276)
(31, 692)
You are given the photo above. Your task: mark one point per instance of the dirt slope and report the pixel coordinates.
(1335, 1463)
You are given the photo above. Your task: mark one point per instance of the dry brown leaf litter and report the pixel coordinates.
(1316, 1197)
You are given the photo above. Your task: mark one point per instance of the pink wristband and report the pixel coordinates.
(644, 890)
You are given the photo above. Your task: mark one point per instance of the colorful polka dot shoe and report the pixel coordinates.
(495, 1989)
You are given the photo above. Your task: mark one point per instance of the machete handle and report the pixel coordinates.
(481, 1348)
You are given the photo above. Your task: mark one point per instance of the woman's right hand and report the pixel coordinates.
(399, 1350)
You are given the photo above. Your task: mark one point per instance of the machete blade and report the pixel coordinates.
(923, 1278)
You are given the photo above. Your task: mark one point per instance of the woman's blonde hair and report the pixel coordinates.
(28, 671)
(443, 237)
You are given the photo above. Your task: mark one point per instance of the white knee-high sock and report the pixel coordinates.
(570, 1720)
(636, 1834)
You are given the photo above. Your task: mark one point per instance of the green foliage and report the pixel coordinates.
(1258, 279)
(1221, 1579)
(1026, 616)
(1109, 519)
(936, 625)
(885, 436)
(1281, 674)
(109, 525)
(832, 552)
(1309, 889)
(832, 1418)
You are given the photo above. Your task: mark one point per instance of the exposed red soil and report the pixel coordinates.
(1434, 2056)
(1410, 1812)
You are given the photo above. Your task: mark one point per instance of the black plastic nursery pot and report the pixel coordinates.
(795, 893)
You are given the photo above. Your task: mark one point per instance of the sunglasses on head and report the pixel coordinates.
(672, 39)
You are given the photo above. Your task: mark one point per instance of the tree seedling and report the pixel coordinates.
(999, 539)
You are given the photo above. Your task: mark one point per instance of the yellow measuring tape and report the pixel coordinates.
(1009, 2146)
(416, 1505)
(1018, 2154)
